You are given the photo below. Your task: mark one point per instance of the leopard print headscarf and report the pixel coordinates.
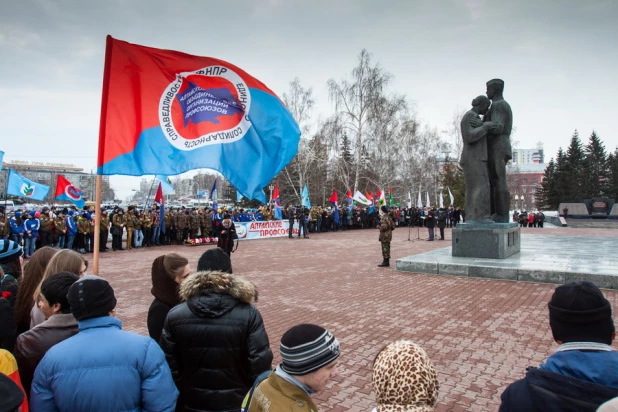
(404, 379)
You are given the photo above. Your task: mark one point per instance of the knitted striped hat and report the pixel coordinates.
(9, 251)
(306, 348)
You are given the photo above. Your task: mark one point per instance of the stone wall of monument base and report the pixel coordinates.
(576, 210)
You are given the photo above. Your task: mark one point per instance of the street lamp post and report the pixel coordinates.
(271, 187)
(516, 201)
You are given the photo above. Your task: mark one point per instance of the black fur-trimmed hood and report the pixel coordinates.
(206, 283)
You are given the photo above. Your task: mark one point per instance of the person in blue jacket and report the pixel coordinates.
(102, 367)
(71, 228)
(17, 228)
(581, 374)
(31, 233)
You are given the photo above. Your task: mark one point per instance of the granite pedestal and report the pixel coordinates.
(543, 259)
(493, 241)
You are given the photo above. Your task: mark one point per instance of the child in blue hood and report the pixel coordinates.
(581, 375)
(31, 233)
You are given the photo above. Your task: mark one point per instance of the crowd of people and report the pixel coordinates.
(63, 349)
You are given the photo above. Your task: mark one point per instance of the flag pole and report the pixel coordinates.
(99, 180)
(97, 225)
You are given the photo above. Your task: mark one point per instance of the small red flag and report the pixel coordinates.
(159, 196)
(333, 197)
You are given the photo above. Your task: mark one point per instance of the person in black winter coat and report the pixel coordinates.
(581, 374)
(215, 342)
(226, 233)
(430, 223)
(443, 214)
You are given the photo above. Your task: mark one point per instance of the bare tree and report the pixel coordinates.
(354, 101)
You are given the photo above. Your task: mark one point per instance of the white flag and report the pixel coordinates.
(451, 196)
(409, 199)
(360, 198)
(419, 203)
(441, 201)
(427, 202)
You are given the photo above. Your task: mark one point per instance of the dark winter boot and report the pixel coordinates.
(384, 263)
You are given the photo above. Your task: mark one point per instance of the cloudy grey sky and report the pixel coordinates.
(557, 58)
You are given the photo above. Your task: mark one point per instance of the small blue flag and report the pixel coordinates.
(305, 196)
(166, 185)
(20, 186)
(1, 158)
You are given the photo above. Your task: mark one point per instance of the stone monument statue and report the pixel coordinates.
(474, 161)
(487, 232)
(499, 151)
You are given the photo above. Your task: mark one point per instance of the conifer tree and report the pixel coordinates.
(595, 168)
(612, 175)
(546, 195)
(573, 178)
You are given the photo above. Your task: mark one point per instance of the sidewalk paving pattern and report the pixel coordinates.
(480, 333)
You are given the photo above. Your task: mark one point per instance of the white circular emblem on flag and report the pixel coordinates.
(72, 192)
(205, 107)
(241, 231)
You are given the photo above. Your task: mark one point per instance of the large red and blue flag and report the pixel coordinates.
(166, 112)
(66, 191)
(277, 203)
(160, 199)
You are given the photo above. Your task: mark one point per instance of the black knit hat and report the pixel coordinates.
(91, 297)
(216, 260)
(306, 348)
(578, 312)
(9, 251)
(11, 394)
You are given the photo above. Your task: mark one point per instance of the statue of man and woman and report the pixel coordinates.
(486, 152)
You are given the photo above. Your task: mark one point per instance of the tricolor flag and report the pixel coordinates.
(333, 201)
(213, 196)
(159, 198)
(381, 198)
(349, 200)
(18, 185)
(66, 191)
(277, 201)
(369, 196)
(166, 184)
(167, 112)
(360, 198)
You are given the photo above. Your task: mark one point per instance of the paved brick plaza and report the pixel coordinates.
(481, 334)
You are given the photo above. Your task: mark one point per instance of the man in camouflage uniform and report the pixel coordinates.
(61, 229)
(181, 226)
(167, 239)
(194, 224)
(5, 227)
(129, 224)
(207, 230)
(147, 228)
(45, 227)
(103, 231)
(386, 228)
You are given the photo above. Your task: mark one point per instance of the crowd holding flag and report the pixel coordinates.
(166, 184)
(277, 201)
(349, 200)
(213, 196)
(160, 199)
(305, 196)
(18, 185)
(360, 198)
(333, 201)
(66, 191)
(151, 122)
